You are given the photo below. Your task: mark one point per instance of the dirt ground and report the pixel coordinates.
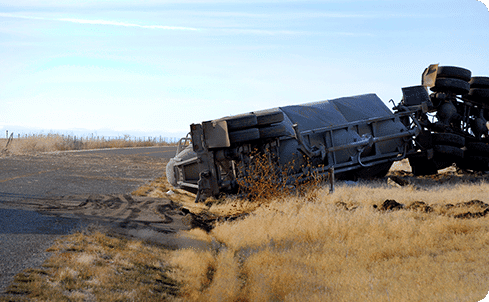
(149, 218)
(158, 213)
(155, 210)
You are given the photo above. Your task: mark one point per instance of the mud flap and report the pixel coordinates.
(429, 76)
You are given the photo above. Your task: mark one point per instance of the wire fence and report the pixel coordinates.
(21, 143)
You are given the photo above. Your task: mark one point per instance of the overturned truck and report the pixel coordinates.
(352, 137)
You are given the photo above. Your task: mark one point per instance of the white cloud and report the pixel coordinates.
(7, 15)
(115, 23)
(98, 22)
(266, 32)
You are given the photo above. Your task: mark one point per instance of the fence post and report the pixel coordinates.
(331, 179)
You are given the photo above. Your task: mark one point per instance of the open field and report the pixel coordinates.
(57, 142)
(350, 245)
(400, 238)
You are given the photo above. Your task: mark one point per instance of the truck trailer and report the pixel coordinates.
(347, 138)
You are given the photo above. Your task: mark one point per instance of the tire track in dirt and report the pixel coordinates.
(37, 190)
(122, 213)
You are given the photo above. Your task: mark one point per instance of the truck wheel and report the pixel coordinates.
(273, 131)
(474, 163)
(422, 166)
(245, 135)
(239, 122)
(448, 139)
(442, 163)
(454, 73)
(447, 153)
(268, 118)
(479, 93)
(444, 156)
(479, 82)
(456, 86)
(478, 149)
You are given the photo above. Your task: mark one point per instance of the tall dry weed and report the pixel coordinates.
(263, 179)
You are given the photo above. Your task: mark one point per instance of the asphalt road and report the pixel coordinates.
(24, 179)
(62, 173)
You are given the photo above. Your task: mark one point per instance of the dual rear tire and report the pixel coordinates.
(451, 79)
(447, 149)
(479, 90)
(451, 148)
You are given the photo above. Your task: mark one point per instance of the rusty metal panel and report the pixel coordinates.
(429, 76)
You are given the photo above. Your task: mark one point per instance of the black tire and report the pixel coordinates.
(273, 131)
(268, 118)
(477, 149)
(456, 86)
(479, 93)
(447, 153)
(448, 139)
(441, 163)
(474, 163)
(240, 122)
(479, 82)
(454, 73)
(422, 166)
(245, 135)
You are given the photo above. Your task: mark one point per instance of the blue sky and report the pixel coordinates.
(155, 67)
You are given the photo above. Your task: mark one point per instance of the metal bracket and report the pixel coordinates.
(321, 151)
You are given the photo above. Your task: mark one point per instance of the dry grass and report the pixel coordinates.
(97, 267)
(57, 142)
(339, 247)
(160, 188)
